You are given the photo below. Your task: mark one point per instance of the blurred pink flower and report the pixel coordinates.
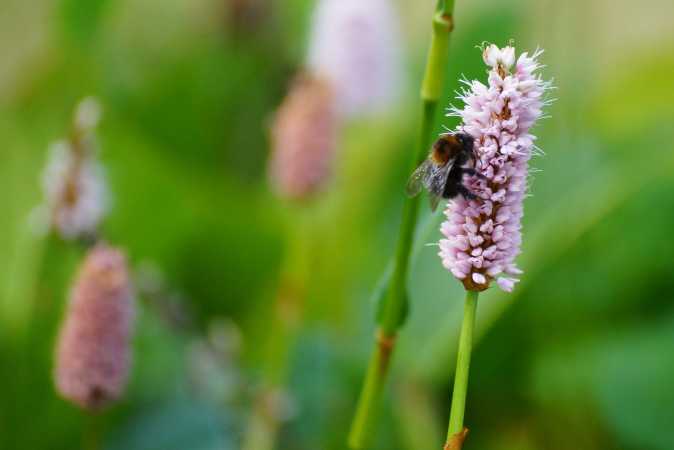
(93, 350)
(355, 44)
(483, 235)
(75, 190)
(304, 139)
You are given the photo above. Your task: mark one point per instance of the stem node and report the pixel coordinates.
(443, 22)
(385, 345)
(456, 441)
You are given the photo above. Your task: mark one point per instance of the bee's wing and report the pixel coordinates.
(434, 200)
(437, 181)
(419, 178)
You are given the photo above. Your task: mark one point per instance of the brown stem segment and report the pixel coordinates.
(456, 441)
(385, 345)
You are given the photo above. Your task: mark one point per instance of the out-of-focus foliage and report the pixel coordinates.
(581, 355)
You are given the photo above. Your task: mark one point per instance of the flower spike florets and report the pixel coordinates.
(483, 235)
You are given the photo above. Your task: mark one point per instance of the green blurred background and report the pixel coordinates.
(580, 356)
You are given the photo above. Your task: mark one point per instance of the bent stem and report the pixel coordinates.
(456, 432)
(393, 305)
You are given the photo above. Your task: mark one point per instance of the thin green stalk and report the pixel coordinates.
(394, 303)
(263, 424)
(91, 436)
(456, 432)
(443, 24)
(394, 306)
(370, 396)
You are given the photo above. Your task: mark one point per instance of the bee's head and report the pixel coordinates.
(466, 141)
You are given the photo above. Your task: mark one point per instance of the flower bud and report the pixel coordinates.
(494, 56)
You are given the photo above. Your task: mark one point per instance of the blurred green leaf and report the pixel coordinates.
(633, 382)
(82, 19)
(639, 94)
(625, 373)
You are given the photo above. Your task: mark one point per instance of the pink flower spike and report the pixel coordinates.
(354, 45)
(93, 354)
(304, 139)
(499, 116)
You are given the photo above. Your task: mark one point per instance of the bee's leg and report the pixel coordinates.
(467, 194)
(472, 172)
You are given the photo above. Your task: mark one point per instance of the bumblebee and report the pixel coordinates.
(441, 174)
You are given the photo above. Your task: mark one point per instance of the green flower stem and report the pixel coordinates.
(394, 303)
(394, 306)
(443, 24)
(91, 437)
(263, 424)
(455, 431)
(370, 396)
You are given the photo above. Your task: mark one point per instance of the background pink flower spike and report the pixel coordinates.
(93, 354)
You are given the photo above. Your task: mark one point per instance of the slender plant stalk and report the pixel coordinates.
(91, 436)
(264, 422)
(456, 432)
(394, 303)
